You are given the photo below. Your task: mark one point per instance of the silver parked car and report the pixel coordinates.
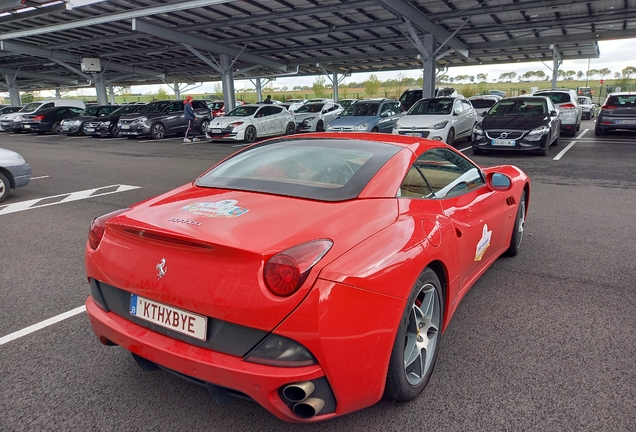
(568, 105)
(617, 113)
(587, 106)
(14, 172)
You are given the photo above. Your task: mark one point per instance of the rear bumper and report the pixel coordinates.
(259, 382)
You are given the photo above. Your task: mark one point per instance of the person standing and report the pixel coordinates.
(190, 116)
(268, 100)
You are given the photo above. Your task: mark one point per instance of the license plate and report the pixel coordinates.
(90, 130)
(179, 320)
(65, 128)
(124, 127)
(502, 142)
(416, 134)
(626, 121)
(216, 130)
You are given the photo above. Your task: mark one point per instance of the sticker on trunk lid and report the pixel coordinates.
(219, 209)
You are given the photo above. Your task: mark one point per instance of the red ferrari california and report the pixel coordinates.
(311, 274)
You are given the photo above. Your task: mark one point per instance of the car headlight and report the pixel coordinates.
(280, 351)
(438, 125)
(140, 119)
(309, 119)
(105, 123)
(477, 130)
(17, 118)
(76, 122)
(537, 133)
(363, 126)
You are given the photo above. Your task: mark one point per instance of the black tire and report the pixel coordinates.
(517, 229)
(290, 129)
(320, 126)
(204, 127)
(157, 131)
(56, 128)
(250, 134)
(406, 378)
(477, 151)
(451, 137)
(113, 131)
(5, 187)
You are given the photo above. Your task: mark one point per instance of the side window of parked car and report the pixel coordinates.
(199, 105)
(175, 107)
(46, 106)
(386, 109)
(447, 173)
(458, 107)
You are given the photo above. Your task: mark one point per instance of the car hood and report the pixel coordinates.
(10, 158)
(15, 114)
(343, 121)
(223, 121)
(421, 121)
(216, 242)
(523, 122)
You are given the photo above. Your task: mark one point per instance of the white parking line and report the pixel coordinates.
(39, 326)
(38, 178)
(64, 198)
(562, 152)
(583, 132)
(464, 149)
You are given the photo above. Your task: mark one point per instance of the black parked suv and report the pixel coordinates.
(75, 125)
(409, 97)
(161, 118)
(107, 126)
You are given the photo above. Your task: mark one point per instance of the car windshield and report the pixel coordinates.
(125, 109)
(585, 100)
(432, 107)
(319, 169)
(482, 103)
(518, 107)
(362, 109)
(622, 100)
(91, 111)
(310, 108)
(243, 111)
(31, 107)
(557, 97)
(155, 107)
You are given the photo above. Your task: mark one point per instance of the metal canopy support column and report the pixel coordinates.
(177, 91)
(100, 89)
(227, 81)
(428, 70)
(58, 94)
(14, 91)
(556, 62)
(111, 95)
(334, 82)
(259, 89)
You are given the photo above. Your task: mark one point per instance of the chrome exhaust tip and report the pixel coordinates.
(298, 392)
(309, 407)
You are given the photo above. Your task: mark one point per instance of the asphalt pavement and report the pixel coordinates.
(544, 341)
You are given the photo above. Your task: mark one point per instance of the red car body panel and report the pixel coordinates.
(349, 307)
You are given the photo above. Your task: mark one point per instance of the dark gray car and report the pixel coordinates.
(161, 118)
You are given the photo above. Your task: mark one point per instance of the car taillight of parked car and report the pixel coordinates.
(568, 106)
(38, 118)
(608, 107)
(96, 231)
(285, 272)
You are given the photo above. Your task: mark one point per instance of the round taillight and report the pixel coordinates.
(285, 272)
(96, 231)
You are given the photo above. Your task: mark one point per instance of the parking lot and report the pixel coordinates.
(544, 341)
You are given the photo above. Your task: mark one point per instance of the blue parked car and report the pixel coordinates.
(370, 115)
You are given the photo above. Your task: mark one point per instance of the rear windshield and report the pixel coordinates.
(627, 100)
(557, 97)
(310, 108)
(319, 169)
(518, 107)
(482, 103)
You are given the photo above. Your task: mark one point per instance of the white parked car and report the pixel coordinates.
(13, 121)
(567, 103)
(315, 116)
(588, 108)
(250, 122)
(443, 119)
(14, 172)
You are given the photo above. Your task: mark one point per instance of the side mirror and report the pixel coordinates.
(499, 181)
(483, 113)
(384, 114)
(553, 113)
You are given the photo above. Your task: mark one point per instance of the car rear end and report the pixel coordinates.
(617, 113)
(568, 108)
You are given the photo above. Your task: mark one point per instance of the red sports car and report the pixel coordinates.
(312, 274)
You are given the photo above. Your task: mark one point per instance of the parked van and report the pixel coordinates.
(13, 122)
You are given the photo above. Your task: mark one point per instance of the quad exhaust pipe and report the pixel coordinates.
(304, 405)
